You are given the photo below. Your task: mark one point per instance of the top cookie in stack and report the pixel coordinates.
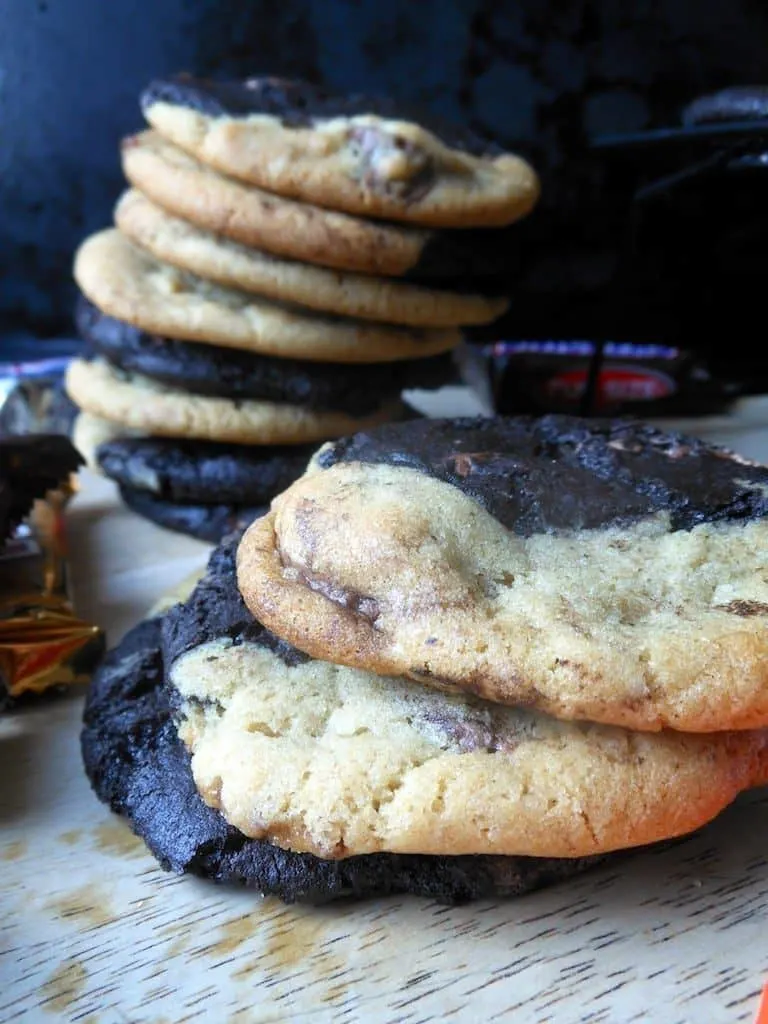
(284, 265)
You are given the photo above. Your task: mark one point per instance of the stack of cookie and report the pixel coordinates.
(284, 265)
(457, 658)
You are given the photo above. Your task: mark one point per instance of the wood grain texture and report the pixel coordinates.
(92, 930)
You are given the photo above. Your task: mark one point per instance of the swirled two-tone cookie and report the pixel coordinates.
(139, 767)
(129, 284)
(593, 570)
(339, 762)
(219, 372)
(462, 258)
(356, 154)
(144, 406)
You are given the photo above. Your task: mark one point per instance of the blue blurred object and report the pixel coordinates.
(539, 75)
(32, 396)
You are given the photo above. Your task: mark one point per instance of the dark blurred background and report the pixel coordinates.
(537, 75)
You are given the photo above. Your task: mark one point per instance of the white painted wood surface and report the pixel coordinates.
(91, 930)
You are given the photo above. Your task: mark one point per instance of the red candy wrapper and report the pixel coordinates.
(538, 377)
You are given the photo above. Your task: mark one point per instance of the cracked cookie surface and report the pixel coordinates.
(143, 405)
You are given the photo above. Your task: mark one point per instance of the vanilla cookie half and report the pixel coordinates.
(467, 258)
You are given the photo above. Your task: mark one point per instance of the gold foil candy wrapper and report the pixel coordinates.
(43, 643)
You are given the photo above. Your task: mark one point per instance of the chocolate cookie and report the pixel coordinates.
(356, 154)
(229, 373)
(336, 762)
(200, 472)
(139, 767)
(144, 406)
(128, 283)
(604, 571)
(452, 259)
(202, 521)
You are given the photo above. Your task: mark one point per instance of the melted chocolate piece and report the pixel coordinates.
(229, 373)
(301, 105)
(470, 724)
(203, 472)
(139, 767)
(564, 473)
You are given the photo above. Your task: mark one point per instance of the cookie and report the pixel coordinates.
(202, 521)
(357, 154)
(603, 571)
(200, 471)
(139, 767)
(127, 283)
(233, 265)
(230, 373)
(143, 405)
(338, 762)
(185, 187)
(740, 103)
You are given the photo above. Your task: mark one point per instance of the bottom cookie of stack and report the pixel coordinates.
(319, 781)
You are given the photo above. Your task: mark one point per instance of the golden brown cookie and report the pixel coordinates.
(147, 407)
(285, 227)
(178, 242)
(131, 285)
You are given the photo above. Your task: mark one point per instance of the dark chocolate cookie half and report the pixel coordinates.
(299, 104)
(202, 472)
(139, 767)
(205, 522)
(563, 473)
(232, 373)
